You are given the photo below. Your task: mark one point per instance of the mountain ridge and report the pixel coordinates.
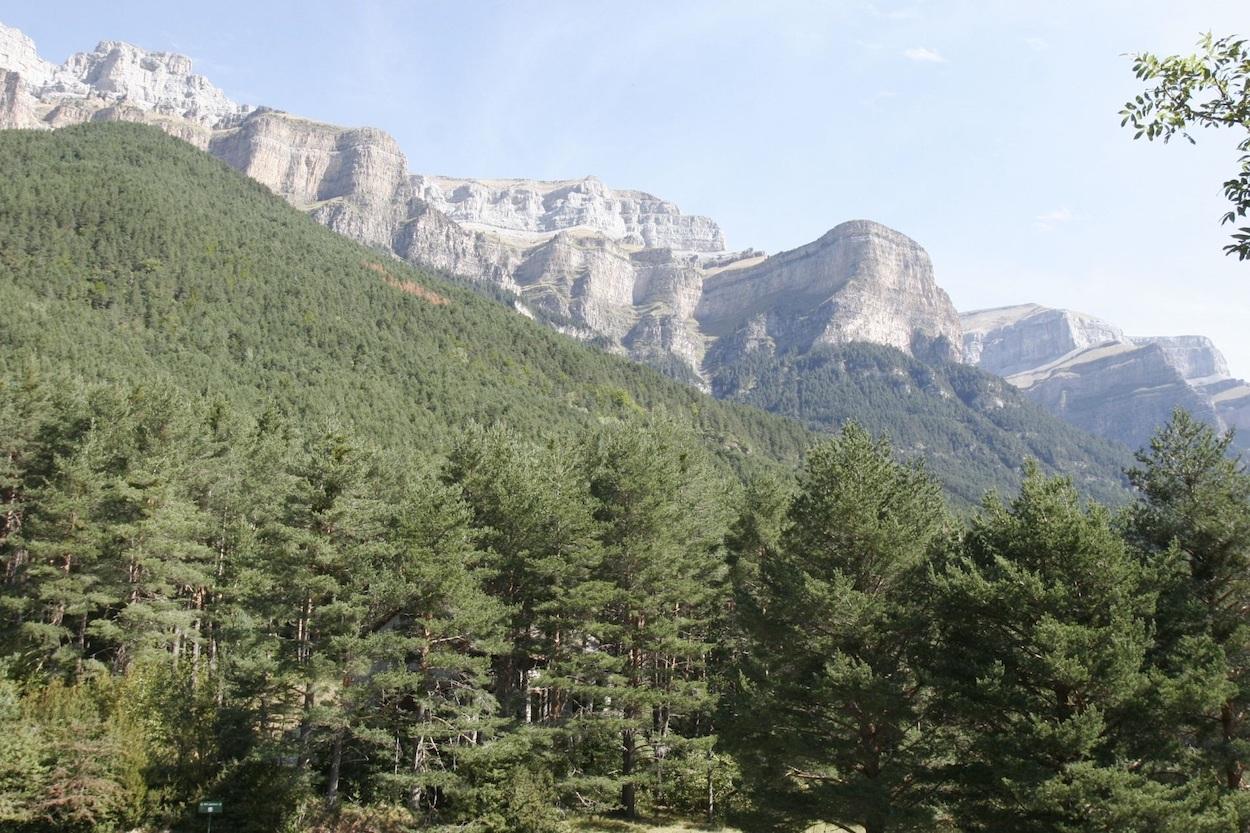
(514, 234)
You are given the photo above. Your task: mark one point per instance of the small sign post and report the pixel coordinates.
(210, 809)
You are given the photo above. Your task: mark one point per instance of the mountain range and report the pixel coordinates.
(629, 273)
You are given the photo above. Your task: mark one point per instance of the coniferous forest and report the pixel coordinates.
(300, 529)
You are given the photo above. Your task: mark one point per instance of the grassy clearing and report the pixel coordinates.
(618, 826)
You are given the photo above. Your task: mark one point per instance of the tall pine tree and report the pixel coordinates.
(831, 720)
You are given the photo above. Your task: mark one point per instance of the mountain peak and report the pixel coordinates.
(118, 74)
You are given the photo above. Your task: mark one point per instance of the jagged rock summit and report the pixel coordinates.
(114, 75)
(1089, 372)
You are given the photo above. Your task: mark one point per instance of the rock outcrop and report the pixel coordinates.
(1008, 340)
(859, 282)
(1194, 357)
(1204, 368)
(1089, 372)
(530, 209)
(117, 74)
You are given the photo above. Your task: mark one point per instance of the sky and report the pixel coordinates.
(987, 131)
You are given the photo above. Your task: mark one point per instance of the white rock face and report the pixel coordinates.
(18, 54)
(1087, 371)
(308, 162)
(531, 208)
(117, 73)
(1196, 357)
(18, 108)
(861, 281)
(1008, 340)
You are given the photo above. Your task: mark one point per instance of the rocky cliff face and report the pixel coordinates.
(625, 267)
(1205, 370)
(117, 74)
(1008, 340)
(1089, 372)
(1194, 357)
(859, 282)
(531, 210)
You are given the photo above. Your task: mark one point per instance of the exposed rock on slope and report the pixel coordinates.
(117, 74)
(1205, 369)
(1093, 375)
(1011, 339)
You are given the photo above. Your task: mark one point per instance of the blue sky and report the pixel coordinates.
(988, 131)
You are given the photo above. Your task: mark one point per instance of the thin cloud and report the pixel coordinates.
(1052, 219)
(904, 13)
(924, 55)
(1037, 44)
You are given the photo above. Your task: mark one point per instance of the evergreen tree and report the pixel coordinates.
(1044, 628)
(533, 514)
(1193, 522)
(416, 699)
(832, 719)
(663, 516)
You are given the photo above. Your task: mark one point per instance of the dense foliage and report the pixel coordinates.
(127, 255)
(196, 602)
(324, 634)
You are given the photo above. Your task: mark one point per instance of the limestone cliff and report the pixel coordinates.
(530, 209)
(117, 74)
(1089, 372)
(859, 282)
(1008, 340)
(1195, 357)
(1204, 368)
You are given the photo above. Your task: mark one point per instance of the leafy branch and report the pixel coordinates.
(1210, 88)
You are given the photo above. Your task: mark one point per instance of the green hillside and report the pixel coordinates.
(131, 256)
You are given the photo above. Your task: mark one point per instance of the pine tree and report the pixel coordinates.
(663, 516)
(533, 516)
(831, 722)
(1043, 615)
(69, 580)
(23, 770)
(417, 695)
(1193, 522)
(331, 525)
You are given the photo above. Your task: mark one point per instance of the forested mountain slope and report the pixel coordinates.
(972, 428)
(130, 255)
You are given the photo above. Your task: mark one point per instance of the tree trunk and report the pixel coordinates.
(1233, 768)
(336, 762)
(629, 791)
(711, 792)
(305, 726)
